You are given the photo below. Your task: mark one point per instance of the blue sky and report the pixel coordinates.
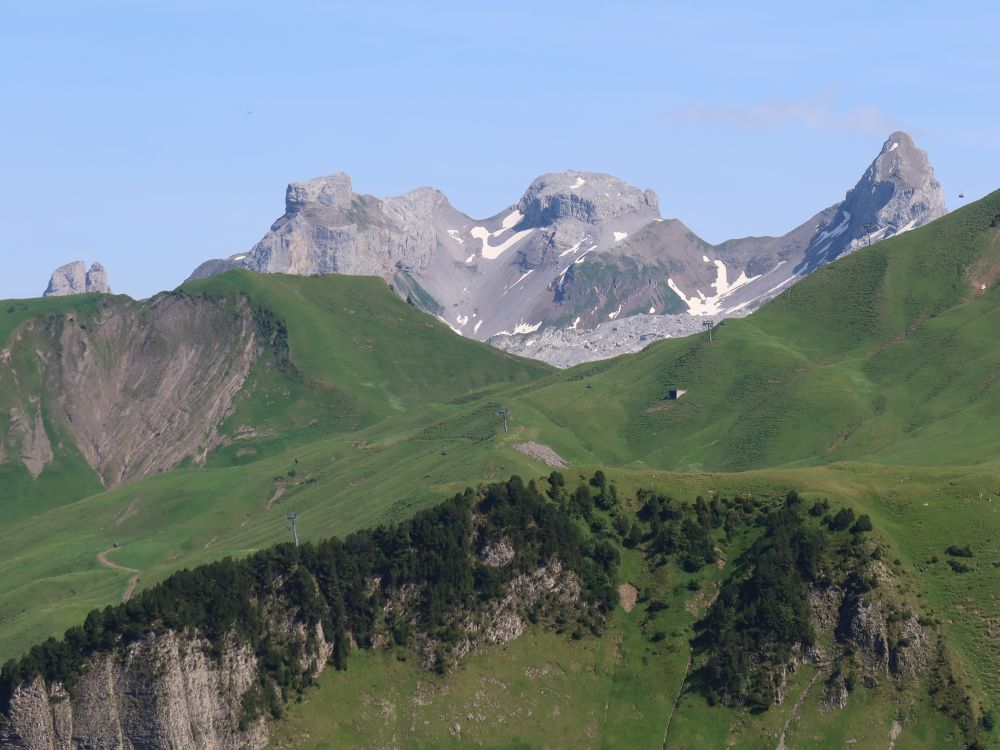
(126, 135)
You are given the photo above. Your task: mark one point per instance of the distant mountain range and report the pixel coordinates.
(582, 267)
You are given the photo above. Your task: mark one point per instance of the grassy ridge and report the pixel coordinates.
(871, 358)
(546, 690)
(353, 334)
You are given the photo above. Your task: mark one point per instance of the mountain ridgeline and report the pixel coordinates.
(578, 254)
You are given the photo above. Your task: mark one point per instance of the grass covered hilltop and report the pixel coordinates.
(800, 552)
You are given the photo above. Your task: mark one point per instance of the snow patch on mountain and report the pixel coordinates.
(700, 304)
(838, 230)
(523, 277)
(521, 328)
(574, 248)
(456, 330)
(492, 252)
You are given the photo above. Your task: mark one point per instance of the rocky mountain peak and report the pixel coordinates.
(590, 197)
(334, 191)
(898, 192)
(74, 278)
(902, 161)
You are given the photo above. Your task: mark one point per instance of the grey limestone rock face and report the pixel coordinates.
(74, 278)
(68, 279)
(163, 692)
(554, 275)
(97, 279)
(327, 228)
(585, 196)
(898, 192)
(333, 191)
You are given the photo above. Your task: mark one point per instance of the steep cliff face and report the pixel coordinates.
(898, 192)
(74, 278)
(171, 691)
(327, 228)
(139, 387)
(164, 691)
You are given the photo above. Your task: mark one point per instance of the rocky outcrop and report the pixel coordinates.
(497, 554)
(864, 624)
(327, 228)
(139, 387)
(550, 588)
(910, 649)
(556, 274)
(878, 637)
(163, 691)
(898, 192)
(73, 278)
(835, 695)
(584, 196)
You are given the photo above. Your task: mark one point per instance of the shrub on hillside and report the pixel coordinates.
(842, 520)
(956, 551)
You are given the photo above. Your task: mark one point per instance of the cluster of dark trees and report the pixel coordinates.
(680, 529)
(759, 618)
(331, 583)
(762, 612)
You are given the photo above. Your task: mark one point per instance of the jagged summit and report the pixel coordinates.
(334, 190)
(577, 250)
(590, 197)
(898, 192)
(74, 278)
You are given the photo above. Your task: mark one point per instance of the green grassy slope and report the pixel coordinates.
(359, 357)
(353, 334)
(13, 312)
(891, 354)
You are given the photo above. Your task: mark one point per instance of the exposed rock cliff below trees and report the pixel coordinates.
(202, 659)
(138, 387)
(164, 691)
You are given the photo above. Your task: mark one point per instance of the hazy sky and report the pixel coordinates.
(155, 135)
